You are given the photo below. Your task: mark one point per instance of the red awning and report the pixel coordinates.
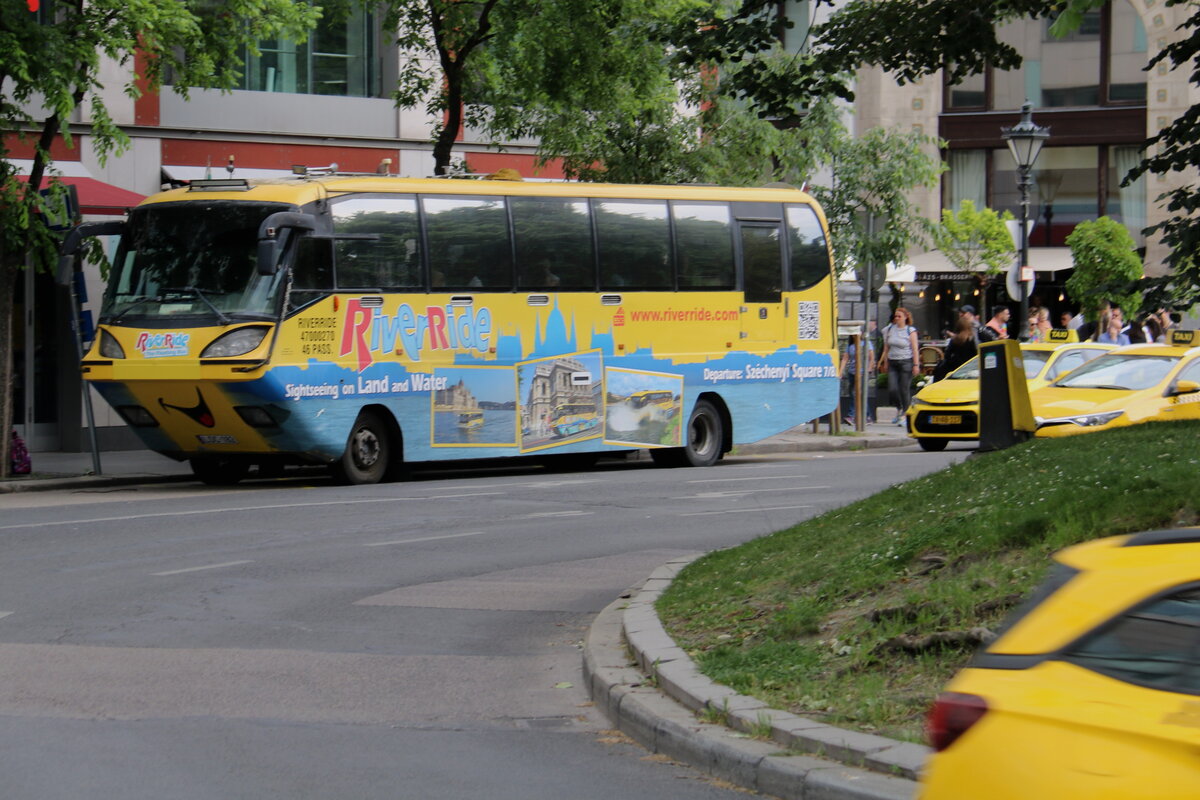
(98, 197)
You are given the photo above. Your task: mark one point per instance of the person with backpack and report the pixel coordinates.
(901, 359)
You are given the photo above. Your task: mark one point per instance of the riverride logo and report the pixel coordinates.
(366, 329)
(158, 345)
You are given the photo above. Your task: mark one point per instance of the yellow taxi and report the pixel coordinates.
(1132, 384)
(948, 411)
(1091, 692)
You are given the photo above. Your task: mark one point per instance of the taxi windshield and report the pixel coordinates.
(192, 259)
(1125, 371)
(1032, 359)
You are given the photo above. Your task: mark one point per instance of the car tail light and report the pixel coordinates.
(953, 713)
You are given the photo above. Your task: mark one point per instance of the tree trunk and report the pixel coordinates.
(443, 147)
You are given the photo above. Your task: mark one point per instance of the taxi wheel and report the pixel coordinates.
(367, 453)
(933, 445)
(216, 471)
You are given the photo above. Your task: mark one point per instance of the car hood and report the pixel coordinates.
(1058, 401)
(948, 391)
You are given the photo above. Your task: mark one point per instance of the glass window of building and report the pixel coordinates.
(339, 58)
(1070, 72)
(1066, 191)
(966, 178)
(1126, 204)
(1127, 56)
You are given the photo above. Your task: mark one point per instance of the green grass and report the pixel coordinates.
(802, 618)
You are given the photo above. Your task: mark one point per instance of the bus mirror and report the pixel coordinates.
(269, 241)
(71, 244)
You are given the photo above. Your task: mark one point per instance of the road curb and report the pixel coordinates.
(651, 691)
(83, 482)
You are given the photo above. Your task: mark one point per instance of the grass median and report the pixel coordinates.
(860, 616)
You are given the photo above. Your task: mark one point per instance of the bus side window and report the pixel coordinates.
(810, 252)
(469, 246)
(390, 260)
(554, 243)
(762, 261)
(634, 243)
(704, 245)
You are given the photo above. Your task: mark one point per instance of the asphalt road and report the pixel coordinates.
(412, 640)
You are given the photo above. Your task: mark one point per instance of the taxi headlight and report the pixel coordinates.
(236, 343)
(109, 346)
(1092, 420)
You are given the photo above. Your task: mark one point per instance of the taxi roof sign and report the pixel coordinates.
(1185, 338)
(1062, 335)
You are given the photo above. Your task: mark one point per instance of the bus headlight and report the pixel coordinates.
(109, 346)
(236, 343)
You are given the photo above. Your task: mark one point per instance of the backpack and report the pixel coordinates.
(19, 456)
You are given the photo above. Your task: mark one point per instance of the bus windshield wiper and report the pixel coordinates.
(134, 303)
(194, 290)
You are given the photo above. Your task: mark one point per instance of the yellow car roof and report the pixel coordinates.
(1114, 573)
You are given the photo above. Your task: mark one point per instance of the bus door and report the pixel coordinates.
(760, 243)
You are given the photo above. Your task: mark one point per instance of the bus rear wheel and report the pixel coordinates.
(704, 433)
(217, 471)
(368, 451)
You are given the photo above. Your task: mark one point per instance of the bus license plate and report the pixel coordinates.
(945, 419)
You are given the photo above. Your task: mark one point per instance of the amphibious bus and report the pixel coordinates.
(325, 319)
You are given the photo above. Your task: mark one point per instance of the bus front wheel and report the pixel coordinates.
(216, 471)
(367, 453)
(704, 433)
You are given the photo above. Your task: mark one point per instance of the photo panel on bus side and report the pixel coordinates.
(477, 407)
(643, 408)
(561, 400)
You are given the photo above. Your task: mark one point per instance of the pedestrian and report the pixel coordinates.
(967, 311)
(900, 358)
(961, 348)
(997, 326)
(1039, 325)
(1152, 329)
(849, 378)
(1110, 328)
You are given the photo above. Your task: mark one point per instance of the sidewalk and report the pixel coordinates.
(124, 467)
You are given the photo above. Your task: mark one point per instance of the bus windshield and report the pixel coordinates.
(192, 260)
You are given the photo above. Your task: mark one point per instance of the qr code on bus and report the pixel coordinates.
(808, 316)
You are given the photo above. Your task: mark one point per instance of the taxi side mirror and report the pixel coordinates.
(1185, 387)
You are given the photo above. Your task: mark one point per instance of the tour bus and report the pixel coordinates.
(326, 318)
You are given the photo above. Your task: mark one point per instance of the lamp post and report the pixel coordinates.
(1025, 142)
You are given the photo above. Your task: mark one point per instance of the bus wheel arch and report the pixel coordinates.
(707, 433)
(374, 449)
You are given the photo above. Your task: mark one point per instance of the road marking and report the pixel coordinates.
(198, 569)
(357, 501)
(741, 510)
(731, 480)
(740, 492)
(4, 614)
(560, 514)
(426, 539)
(464, 494)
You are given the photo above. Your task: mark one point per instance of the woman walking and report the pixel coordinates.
(900, 359)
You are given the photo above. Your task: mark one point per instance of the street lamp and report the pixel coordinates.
(1025, 141)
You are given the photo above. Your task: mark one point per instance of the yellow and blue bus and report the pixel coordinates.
(314, 319)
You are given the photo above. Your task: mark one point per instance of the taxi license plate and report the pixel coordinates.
(945, 419)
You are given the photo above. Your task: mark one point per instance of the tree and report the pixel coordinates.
(1105, 256)
(970, 239)
(50, 62)
(872, 177)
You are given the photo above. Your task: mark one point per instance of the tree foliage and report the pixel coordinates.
(1106, 258)
(972, 238)
(50, 66)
